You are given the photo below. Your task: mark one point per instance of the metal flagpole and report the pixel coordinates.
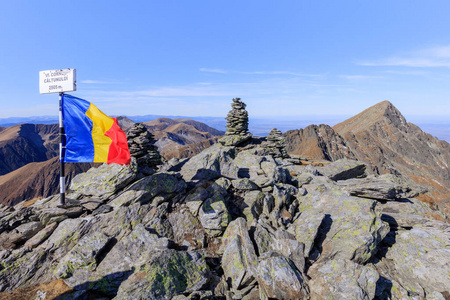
(62, 187)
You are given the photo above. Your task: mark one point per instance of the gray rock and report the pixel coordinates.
(244, 184)
(20, 234)
(212, 163)
(418, 260)
(104, 181)
(145, 190)
(384, 187)
(187, 229)
(41, 236)
(239, 259)
(278, 278)
(82, 256)
(351, 228)
(262, 170)
(344, 169)
(253, 205)
(164, 275)
(214, 215)
(342, 279)
(306, 229)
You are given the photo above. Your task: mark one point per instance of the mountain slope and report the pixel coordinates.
(25, 143)
(317, 142)
(37, 179)
(381, 136)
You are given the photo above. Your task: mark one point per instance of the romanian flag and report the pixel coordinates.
(91, 136)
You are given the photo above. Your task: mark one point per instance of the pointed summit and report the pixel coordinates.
(380, 112)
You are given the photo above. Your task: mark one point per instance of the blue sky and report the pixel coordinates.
(285, 59)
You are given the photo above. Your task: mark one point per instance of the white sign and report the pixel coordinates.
(57, 81)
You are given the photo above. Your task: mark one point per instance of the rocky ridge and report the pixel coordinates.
(229, 223)
(382, 138)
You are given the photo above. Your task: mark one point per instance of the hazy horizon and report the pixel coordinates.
(438, 126)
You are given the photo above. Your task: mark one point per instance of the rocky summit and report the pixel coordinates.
(228, 223)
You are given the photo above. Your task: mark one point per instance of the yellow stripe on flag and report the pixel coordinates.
(101, 124)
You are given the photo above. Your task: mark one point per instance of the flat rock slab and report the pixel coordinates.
(343, 169)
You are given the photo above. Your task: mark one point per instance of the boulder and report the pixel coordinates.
(343, 169)
(384, 187)
(239, 259)
(278, 278)
(187, 229)
(350, 230)
(104, 181)
(211, 163)
(214, 215)
(261, 170)
(418, 260)
(166, 274)
(161, 185)
(342, 279)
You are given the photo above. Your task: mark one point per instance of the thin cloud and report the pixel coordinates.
(359, 77)
(277, 73)
(425, 58)
(88, 81)
(220, 71)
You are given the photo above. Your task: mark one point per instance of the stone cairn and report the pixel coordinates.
(237, 125)
(141, 146)
(276, 144)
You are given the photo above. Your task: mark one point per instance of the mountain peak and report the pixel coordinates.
(383, 111)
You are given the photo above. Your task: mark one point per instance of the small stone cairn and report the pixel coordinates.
(141, 146)
(237, 125)
(276, 144)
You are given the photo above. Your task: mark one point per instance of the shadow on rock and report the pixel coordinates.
(104, 288)
(324, 228)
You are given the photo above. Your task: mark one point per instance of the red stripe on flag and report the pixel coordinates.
(118, 150)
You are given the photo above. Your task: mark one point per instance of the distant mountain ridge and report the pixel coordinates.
(28, 153)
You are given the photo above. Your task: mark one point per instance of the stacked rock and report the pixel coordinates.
(276, 144)
(141, 146)
(237, 125)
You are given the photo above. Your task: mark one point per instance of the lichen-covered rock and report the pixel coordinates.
(187, 229)
(278, 278)
(306, 229)
(384, 187)
(164, 275)
(351, 228)
(210, 164)
(214, 216)
(104, 181)
(262, 170)
(342, 279)
(418, 260)
(83, 256)
(145, 190)
(239, 259)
